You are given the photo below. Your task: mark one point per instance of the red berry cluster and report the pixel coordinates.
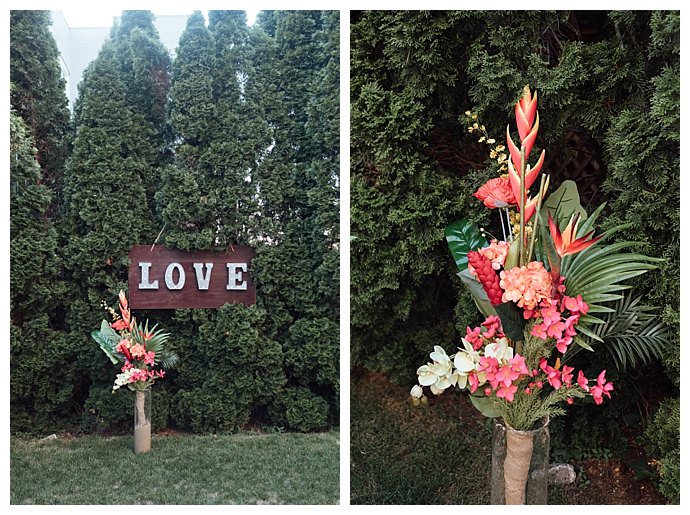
(487, 276)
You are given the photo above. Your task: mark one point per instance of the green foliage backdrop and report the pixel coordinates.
(235, 142)
(610, 79)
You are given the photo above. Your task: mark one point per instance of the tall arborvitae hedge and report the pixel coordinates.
(297, 267)
(608, 85)
(234, 182)
(38, 94)
(110, 182)
(38, 347)
(38, 130)
(234, 143)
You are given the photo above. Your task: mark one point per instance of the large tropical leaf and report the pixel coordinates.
(631, 332)
(512, 321)
(484, 405)
(563, 203)
(107, 339)
(463, 236)
(478, 293)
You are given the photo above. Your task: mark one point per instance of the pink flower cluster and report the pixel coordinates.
(141, 375)
(555, 323)
(564, 377)
(493, 329)
(496, 252)
(502, 377)
(527, 285)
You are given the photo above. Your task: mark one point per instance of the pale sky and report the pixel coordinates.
(102, 16)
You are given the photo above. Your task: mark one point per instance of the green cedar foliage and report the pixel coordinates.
(402, 291)
(107, 187)
(183, 198)
(297, 273)
(145, 70)
(233, 147)
(38, 93)
(38, 396)
(663, 442)
(239, 178)
(231, 370)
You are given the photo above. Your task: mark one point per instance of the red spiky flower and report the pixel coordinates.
(487, 276)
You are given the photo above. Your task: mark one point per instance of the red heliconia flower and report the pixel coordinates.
(124, 309)
(567, 241)
(496, 193)
(527, 120)
(487, 276)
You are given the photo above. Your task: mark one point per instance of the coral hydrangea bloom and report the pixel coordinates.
(496, 193)
(138, 351)
(527, 285)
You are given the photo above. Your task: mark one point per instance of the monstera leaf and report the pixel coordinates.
(107, 338)
(463, 236)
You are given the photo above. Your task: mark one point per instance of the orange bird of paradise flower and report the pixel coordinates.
(567, 242)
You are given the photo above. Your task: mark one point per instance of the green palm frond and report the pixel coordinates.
(156, 343)
(598, 272)
(631, 332)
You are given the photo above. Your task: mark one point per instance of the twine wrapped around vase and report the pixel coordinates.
(519, 445)
(142, 421)
(519, 464)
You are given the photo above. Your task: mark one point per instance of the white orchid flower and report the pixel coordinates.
(425, 376)
(438, 375)
(466, 361)
(417, 392)
(499, 350)
(439, 356)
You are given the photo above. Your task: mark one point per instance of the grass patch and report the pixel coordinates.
(404, 455)
(439, 454)
(287, 468)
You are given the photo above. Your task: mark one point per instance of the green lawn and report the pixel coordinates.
(404, 455)
(285, 468)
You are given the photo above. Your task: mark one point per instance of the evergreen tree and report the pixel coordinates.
(107, 210)
(182, 203)
(38, 93)
(37, 348)
(145, 70)
(207, 201)
(233, 147)
(299, 201)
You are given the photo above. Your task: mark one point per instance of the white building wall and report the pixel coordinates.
(80, 45)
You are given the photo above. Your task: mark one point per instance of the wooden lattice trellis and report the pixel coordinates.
(584, 166)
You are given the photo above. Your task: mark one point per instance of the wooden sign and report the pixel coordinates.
(171, 279)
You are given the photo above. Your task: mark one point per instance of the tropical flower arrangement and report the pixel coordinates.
(544, 289)
(138, 348)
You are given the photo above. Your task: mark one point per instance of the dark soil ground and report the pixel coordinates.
(441, 454)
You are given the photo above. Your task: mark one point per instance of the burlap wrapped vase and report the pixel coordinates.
(520, 464)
